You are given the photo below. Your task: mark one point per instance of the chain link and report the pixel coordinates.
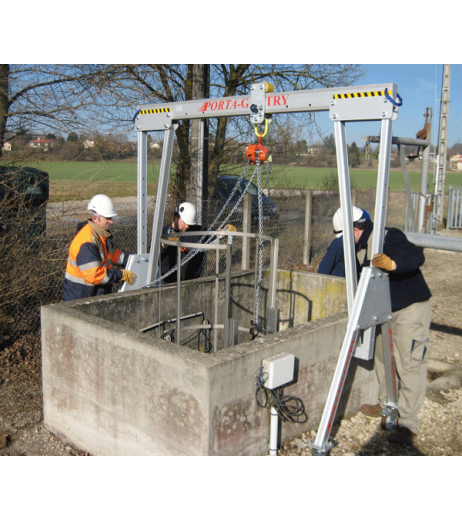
(195, 251)
(260, 245)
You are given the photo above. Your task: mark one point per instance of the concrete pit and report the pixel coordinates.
(110, 389)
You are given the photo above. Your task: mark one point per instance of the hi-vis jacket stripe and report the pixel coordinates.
(360, 94)
(86, 264)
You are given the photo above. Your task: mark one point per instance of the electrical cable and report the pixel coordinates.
(289, 408)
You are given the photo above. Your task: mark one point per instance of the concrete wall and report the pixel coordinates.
(111, 390)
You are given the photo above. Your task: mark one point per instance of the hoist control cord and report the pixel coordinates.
(289, 408)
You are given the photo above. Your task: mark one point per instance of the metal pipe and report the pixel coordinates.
(274, 426)
(160, 203)
(399, 141)
(437, 242)
(170, 321)
(383, 175)
(347, 213)
(141, 193)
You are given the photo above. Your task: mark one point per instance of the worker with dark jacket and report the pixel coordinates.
(90, 267)
(333, 262)
(184, 220)
(410, 325)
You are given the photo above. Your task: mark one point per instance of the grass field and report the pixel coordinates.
(80, 179)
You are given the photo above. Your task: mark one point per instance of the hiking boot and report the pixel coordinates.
(402, 435)
(371, 410)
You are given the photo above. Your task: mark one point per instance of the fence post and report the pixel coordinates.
(353, 196)
(246, 222)
(307, 241)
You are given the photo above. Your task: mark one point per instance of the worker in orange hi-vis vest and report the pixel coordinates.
(90, 266)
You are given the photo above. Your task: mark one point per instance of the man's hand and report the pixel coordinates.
(128, 277)
(383, 262)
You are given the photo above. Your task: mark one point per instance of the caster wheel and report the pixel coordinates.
(387, 422)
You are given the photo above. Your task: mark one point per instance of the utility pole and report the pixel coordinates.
(424, 174)
(442, 141)
(196, 188)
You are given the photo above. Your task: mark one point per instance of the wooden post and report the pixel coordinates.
(307, 241)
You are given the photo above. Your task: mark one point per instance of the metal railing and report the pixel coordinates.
(454, 221)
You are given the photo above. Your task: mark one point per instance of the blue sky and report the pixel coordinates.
(419, 85)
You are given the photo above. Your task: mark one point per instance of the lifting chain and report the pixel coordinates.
(195, 251)
(256, 154)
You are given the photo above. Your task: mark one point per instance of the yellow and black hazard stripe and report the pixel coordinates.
(154, 111)
(369, 94)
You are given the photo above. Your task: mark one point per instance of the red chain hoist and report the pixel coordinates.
(257, 150)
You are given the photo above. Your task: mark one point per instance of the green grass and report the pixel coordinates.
(119, 172)
(119, 178)
(304, 178)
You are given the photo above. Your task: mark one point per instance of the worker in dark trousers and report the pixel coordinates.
(411, 311)
(410, 326)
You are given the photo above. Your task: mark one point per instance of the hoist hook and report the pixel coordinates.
(265, 131)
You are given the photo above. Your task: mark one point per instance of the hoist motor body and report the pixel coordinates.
(253, 150)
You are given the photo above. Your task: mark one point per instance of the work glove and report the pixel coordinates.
(128, 277)
(383, 262)
(183, 249)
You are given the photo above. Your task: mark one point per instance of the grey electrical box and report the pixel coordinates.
(279, 369)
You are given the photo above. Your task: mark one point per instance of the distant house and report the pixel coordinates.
(315, 149)
(6, 146)
(88, 143)
(41, 143)
(456, 161)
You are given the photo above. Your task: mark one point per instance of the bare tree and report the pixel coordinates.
(67, 97)
(46, 97)
(124, 87)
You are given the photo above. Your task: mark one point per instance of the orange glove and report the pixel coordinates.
(128, 277)
(383, 262)
(176, 238)
(230, 228)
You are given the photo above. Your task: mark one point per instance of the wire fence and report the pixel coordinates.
(34, 245)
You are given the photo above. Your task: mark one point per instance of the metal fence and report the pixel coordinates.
(454, 221)
(430, 220)
(34, 274)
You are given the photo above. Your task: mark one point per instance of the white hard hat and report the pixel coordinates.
(358, 216)
(102, 205)
(187, 212)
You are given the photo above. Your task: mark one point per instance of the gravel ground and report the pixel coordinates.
(22, 432)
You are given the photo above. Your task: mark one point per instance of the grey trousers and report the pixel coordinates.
(410, 331)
